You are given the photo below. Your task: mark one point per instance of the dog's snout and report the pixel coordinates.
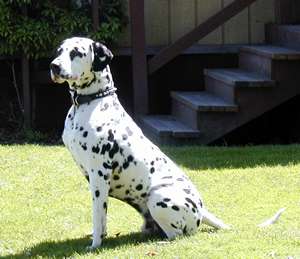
(55, 68)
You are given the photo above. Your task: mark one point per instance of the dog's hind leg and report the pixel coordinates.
(169, 215)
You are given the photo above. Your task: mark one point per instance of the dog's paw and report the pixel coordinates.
(95, 245)
(92, 248)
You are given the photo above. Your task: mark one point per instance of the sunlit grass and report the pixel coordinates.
(45, 207)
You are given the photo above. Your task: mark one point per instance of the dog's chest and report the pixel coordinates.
(85, 127)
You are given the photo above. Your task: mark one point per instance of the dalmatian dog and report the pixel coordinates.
(113, 153)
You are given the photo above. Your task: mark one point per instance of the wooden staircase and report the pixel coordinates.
(267, 76)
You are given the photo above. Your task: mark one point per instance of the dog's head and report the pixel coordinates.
(78, 60)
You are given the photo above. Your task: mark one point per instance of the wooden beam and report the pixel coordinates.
(197, 34)
(95, 15)
(139, 59)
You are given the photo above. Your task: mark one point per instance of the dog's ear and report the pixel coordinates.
(102, 56)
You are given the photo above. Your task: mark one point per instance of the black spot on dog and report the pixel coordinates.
(139, 187)
(114, 165)
(105, 107)
(81, 128)
(99, 129)
(97, 194)
(95, 149)
(162, 204)
(75, 53)
(200, 203)
(198, 222)
(116, 177)
(191, 202)
(167, 177)
(124, 137)
(110, 136)
(176, 208)
(130, 158)
(173, 226)
(125, 164)
(166, 199)
(119, 186)
(127, 192)
(144, 195)
(152, 163)
(187, 191)
(84, 147)
(105, 205)
(100, 173)
(105, 148)
(106, 166)
(105, 177)
(114, 150)
(152, 170)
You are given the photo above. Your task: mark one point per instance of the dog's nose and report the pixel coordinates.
(55, 69)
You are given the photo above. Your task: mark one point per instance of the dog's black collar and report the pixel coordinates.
(78, 99)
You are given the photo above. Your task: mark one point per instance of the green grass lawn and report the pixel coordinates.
(45, 205)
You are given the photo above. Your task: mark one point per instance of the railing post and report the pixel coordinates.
(95, 14)
(26, 86)
(139, 58)
(26, 93)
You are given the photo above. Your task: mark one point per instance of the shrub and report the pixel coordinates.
(34, 27)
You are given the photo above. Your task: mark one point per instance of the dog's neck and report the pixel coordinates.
(101, 82)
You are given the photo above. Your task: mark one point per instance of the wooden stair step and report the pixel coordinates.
(204, 101)
(239, 77)
(286, 35)
(168, 126)
(273, 52)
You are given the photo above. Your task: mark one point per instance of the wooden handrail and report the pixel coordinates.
(197, 34)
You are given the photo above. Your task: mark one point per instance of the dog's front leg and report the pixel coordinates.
(99, 187)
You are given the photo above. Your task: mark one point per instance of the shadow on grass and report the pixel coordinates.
(202, 158)
(73, 247)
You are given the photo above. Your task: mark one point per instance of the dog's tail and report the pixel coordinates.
(211, 220)
(272, 220)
